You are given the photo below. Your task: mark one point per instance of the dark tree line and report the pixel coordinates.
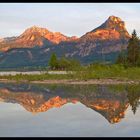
(132, 55)
(63, 63)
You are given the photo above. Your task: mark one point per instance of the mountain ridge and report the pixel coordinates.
(110, 37)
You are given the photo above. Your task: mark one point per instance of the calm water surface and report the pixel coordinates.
(69, 110)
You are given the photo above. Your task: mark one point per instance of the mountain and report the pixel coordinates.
(34, 36)
(111, 36)
(35, 45)
(115, 25)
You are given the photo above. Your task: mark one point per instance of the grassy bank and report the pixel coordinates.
(96, 71)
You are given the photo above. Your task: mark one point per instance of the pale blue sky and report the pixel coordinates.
(67, 18)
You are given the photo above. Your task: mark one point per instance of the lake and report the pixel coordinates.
(40, 110)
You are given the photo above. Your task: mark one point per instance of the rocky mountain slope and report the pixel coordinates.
(34, 36)
(111, 36)
(35, 45)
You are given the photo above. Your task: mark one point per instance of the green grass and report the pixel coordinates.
(96, 71)
(109, 71)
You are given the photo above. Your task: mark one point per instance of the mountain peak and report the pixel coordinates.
(36, 29)
(114, 24)
(34, 26)
(114, 18)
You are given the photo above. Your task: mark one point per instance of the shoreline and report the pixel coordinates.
(76, 82)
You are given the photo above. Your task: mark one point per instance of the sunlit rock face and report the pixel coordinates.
(34, 36)
(111, 36)
(108, 38)
(114, 24)
(55, 37)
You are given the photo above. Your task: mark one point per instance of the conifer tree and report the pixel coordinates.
(133, 48)
(53, 62)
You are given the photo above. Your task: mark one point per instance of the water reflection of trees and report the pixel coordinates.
(133, 96)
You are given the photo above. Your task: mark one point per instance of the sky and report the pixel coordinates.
(71, 19)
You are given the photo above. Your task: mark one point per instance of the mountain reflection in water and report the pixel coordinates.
(110, 101)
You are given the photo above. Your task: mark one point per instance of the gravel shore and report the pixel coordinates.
(80, 82)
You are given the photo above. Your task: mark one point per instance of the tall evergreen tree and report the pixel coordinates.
(53, 62)
(133, 52)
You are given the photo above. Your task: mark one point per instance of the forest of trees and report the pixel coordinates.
(63, 63)
(132, 55)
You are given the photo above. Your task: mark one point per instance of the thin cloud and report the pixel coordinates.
(69, 19)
